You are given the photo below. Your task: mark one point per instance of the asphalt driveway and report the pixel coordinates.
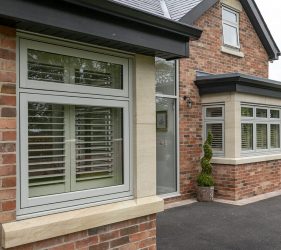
(207, 226)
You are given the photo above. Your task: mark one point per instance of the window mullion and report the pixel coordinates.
(72, 166)
(67, 148)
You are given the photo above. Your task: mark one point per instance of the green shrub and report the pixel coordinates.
(205, 178)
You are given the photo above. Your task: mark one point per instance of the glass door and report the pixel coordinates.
(166, 127)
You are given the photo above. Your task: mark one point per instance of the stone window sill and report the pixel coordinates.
(245, 160)
(46, 227)
(233, 52)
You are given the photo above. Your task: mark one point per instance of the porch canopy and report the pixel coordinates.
(236, 82)
(102, 23)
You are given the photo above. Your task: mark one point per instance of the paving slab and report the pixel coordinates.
(208, 226)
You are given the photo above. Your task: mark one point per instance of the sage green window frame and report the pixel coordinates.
(26, 44)
(214, 120)
(112, 98)
(254, 121)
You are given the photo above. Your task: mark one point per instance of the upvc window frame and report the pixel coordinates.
(214, 120)
(233, 25)
(26, 91)
(260, 120)
(174, 97)
(26, 44)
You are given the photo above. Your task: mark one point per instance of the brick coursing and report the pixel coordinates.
(7, 124)
(247, 180)
(206, 55)
(132, 234)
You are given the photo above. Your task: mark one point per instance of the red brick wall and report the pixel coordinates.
(132, 234)
(7, 124)
(206, 55)
(247, 180)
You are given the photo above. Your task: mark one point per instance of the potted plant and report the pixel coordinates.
(205, 179)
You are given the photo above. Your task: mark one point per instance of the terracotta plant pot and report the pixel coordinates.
(205, 193)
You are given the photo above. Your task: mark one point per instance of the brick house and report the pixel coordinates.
(85, 151)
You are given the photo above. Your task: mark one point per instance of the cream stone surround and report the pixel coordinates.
(145, 200)
(232, 142)
(234, 52)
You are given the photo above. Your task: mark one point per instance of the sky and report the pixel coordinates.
(271, 11)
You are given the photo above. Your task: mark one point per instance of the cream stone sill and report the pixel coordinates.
(45, 227)
(232, 51)
(245, 160)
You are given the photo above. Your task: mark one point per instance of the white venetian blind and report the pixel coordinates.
(275, 136)
(217, 131)
(261, 136)
(46, 148)
(94, 143)
(214, 112)
(247, 136)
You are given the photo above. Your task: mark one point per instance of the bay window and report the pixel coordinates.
(74, 127)
(260, 129)
(214, 123)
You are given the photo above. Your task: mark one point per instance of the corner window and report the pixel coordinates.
(214, 122)
(74, 132)
(230, 26)
(260, 129)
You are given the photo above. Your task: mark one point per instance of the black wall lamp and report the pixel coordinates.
(188, 101)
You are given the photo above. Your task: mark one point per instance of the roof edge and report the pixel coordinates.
(133, 14)
(261, 28)
(197, 11)
(237, 82)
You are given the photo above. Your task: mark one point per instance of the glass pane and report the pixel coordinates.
(98, 146)
(214, 112)
(73, 147)
(46, 148)
(50, 67)
(247, 112)
(217, 132)
(229, 16)
(261, 136)
(274, 113)
(165, 76)
(230, 35)
(261, 113)
(166, 146)
(275, 136)
(246, 136)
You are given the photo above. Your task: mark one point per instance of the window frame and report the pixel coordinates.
(26, 44)
(260, 120)
(176, 99)
(231, 24)
(38, 206)
(214, 120)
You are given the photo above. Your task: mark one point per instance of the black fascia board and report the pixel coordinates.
(236, 82)
(261, 28)
(142, 17)
(69, 21)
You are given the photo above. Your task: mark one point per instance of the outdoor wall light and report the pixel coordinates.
(188, 101)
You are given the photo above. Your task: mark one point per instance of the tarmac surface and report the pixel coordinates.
(212, 226)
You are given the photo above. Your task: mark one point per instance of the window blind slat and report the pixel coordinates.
(261, 136)
(46, 146)
(91, 164)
